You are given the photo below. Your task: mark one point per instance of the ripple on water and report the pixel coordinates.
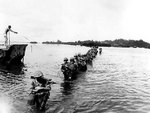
(116, 82)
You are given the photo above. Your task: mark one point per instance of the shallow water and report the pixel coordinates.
(118, 81)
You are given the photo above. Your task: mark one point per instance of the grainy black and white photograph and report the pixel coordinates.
(74, 56)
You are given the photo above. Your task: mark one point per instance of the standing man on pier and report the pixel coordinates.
(7, 32)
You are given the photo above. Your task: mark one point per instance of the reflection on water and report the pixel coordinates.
(16, 69)
(118, 81)
(67, 88)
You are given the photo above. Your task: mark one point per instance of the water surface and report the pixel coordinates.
(118, 81)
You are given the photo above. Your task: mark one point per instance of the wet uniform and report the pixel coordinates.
(41, 82)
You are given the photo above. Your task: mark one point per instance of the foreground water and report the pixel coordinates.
(118, 81)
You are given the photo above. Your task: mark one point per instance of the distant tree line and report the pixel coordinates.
(106, 43)
(127, 43)
(82, 43)
(33, 42)
(92, 43)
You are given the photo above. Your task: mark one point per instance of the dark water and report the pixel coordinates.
(118, 81)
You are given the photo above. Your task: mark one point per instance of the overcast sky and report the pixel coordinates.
(73, 20)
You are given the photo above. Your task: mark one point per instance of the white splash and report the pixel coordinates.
(5, 106)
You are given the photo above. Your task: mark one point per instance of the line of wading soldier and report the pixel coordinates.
(77, 64)
(41, 86)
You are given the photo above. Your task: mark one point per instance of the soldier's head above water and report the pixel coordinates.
(37, 74)
(72, 60)
(65, 59)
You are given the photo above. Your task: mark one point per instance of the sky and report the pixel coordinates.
(73, 20)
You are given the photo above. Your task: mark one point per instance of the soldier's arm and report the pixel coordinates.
(13, 31)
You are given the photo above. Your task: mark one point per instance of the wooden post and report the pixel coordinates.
(23, 59)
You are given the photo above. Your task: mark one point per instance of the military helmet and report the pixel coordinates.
(65, 59)
(75, 56)
(72, 59)
(38, 74)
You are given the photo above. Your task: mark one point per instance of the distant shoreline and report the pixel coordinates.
(107, 43)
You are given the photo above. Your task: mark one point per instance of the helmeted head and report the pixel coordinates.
(9, 26)
(75, 56)
(65, 59)
(71, 59)
(79, 54)
(81, 59)
(38, 74)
